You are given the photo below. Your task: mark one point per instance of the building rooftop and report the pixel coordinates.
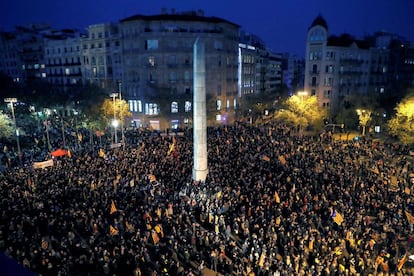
(178, 17)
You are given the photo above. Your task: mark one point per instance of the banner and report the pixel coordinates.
(42, 165)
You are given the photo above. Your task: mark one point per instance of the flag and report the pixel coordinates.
(265, 158)
(155, 237)
(101, 153)
(172, 148)
(277, 198)
(69, 154)
(129, 227)
(113, 231)
(409, 217)
(152, 178)
(337, 217)
(402, 262)
(282, 160)
(80, 137)
(113, 208)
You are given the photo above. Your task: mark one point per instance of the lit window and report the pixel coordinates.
(187, 107)
(174, 107)
(218, 104)
(151, 44)
(218, 117)
(67, 71)
(151, 109)
(235, 103)
(151, 61)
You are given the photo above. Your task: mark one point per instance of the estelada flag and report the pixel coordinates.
(265, 158)
(113, 231)
(155, 237)
(337, 217)
(402, 262)
(282, 160)
(129, 227)
(113, 208)
(409, 217)
(101, 153)
(152, 178)
(277, 198)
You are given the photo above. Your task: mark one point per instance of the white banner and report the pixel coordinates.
(42, 165)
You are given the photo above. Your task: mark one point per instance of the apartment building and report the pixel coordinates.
(157, 53)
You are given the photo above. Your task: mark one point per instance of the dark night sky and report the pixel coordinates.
(282, 25)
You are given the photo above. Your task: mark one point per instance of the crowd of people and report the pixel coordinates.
(272, 204)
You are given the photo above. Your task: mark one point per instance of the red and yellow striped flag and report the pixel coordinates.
(113, 231)
(409, 217)
(113, 208)
(402, 262)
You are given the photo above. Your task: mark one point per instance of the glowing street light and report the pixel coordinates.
(114, 121)
(12, 101)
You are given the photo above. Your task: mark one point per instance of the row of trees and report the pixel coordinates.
(97, 109)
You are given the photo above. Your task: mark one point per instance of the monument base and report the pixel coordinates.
(200, 175)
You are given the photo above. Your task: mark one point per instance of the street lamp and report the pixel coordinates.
(121, 115)
(11, 101)
(114, 122)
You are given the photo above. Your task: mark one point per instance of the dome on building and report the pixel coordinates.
(319, 21)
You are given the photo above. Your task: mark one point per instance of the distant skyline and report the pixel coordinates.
(282, 25)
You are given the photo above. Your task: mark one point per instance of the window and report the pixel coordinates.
(187, 76)
(330, 55)
(151, 44)
(235, 103)
(219, 90)
(313, 81)
(218, 104)
(314, 68)
(173, 77)
(187, 106)
(328, 81)
(67, 71)
(329, 69)
(135, 106)
(151, 61)
(327, 94)
(314, 55)
(151, 109)
(174, 107)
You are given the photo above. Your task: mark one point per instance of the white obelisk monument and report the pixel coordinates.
(200, 168)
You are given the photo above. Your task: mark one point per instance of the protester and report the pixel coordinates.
(272, 204)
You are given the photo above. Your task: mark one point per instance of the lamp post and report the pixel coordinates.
(114, 122)
(302, 95)
(11, 101)
(121, 115)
